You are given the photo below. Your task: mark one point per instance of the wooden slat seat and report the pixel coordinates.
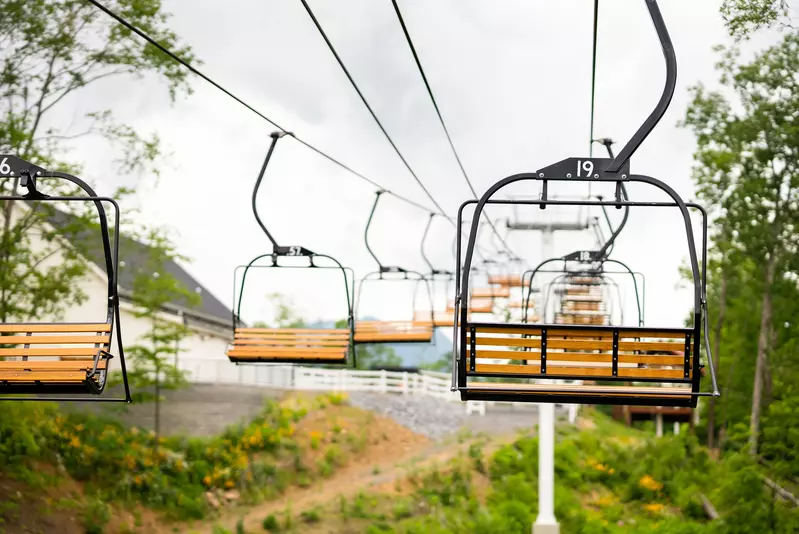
(582, 305)
(475, 306)
(54, 358)
(393, 332)
(498, 292)
(438, 319)
(512, 353)
(506, 280)
(519, 304)
(581, 319)
(290, 345)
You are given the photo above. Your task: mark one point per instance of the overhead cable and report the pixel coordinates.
(441, 120)
(230, 94)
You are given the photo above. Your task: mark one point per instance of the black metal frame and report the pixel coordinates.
(279, 251)
(614, 170)
(391, 270)
(348, 274)
(27, 174)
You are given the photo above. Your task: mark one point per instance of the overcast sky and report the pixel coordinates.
(512, 80)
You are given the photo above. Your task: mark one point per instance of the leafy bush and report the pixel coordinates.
(171, 474)
(96, 515)
(271, 523)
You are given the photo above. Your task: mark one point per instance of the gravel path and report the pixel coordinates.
(428, 416)
(436, 418)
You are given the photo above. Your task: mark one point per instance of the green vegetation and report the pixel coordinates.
(747, 176)
(153, 358)
(173, 475)
(605, 484)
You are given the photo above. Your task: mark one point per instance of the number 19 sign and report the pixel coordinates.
(584, 169)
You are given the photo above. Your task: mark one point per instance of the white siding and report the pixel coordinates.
(205, 341)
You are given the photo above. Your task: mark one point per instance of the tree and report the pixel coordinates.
(748, 173)
(744, 17)
(52, 49)
(154, 358)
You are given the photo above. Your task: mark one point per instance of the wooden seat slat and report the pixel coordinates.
(88, 352)
(59, 365)
(376, 336)
(292, 330)
(579, 344)
(580, 357)
(77, 377)
(54, 328)
(571, 389)
(320, 350)
(53, 340)
(284, 355)
(499, 292)
(555, 370)
(283, 343)
(509, 280)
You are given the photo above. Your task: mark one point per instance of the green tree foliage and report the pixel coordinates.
(53, 49)
(747, 173)
(155, 292)
(744, 17)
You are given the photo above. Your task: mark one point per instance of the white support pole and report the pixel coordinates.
(659, 425)
(676, 428)
(546, 523)
(573, 413)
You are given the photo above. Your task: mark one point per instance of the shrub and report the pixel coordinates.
(96, 515)
(271, 523)
(311, 516)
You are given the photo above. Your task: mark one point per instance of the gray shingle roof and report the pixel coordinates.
(133, 256)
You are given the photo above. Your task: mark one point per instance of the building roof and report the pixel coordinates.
(133, 257)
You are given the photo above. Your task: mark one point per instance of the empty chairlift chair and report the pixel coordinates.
(412, 330)
(332, 346)
(61, 361)
(633, 365)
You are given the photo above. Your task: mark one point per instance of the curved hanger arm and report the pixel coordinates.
(433, 270)
(275, 136)
(621, 194)
(665, 98)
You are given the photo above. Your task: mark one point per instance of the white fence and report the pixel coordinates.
(427, 383)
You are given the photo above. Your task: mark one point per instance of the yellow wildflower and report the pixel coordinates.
(654, 508)
(207, 480)
(647, 482)
(79, 428)
(229, 484)
(75, 442)
(138, 480)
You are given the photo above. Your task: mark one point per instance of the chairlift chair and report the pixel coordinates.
(62, 361)
(620, 355)
(407, 331)
(329, 346)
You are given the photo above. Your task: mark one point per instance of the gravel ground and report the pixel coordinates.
(428, 416)
(436, 418)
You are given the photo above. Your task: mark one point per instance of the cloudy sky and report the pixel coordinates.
(513, 83)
